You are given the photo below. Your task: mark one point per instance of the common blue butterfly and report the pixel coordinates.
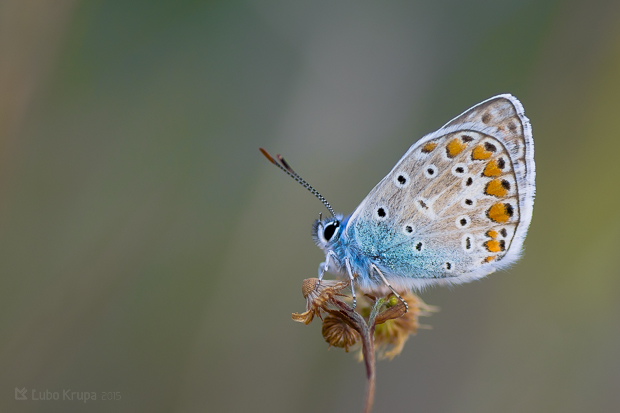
(455, 208)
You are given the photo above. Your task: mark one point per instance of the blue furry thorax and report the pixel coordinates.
(343, 245)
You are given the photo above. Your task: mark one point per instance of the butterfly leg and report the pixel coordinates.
(348, 265)
(324, 266)
(390, 287)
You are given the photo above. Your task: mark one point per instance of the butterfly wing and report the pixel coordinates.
(457, 205)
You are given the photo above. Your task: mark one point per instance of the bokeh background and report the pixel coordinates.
(147, 248)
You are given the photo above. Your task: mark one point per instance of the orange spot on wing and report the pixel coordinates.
(495, 188)
(492, 169)
(489, 259)
(455, 147)
(479, 153)
(493, 246)
(429, 147)
(500, 212)
(492, 233)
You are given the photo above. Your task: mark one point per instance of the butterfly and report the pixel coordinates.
(455, 208)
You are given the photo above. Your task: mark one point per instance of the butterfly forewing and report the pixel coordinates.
(458, 202)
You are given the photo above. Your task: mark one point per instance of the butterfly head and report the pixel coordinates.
(327, 231)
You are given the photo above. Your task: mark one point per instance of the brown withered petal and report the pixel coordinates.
(338, 333)
(305, 318)
(396, 311)
(318, 296)
(391, 335)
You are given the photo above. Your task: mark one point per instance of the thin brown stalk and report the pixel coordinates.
(368, 351)
(366, 331)
(343, 327)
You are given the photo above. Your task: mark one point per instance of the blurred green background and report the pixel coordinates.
(147, 248)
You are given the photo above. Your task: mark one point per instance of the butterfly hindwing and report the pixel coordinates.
(458, 203)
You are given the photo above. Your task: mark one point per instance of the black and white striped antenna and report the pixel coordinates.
(283, 165)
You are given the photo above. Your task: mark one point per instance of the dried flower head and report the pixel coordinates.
(338, 332)
(381, 321)
(318, 296)
(391, 333)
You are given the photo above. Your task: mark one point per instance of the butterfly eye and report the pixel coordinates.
(330, 230)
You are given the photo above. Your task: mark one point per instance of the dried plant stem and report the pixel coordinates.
(343, 326)
(368, 350)
(366, 331)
